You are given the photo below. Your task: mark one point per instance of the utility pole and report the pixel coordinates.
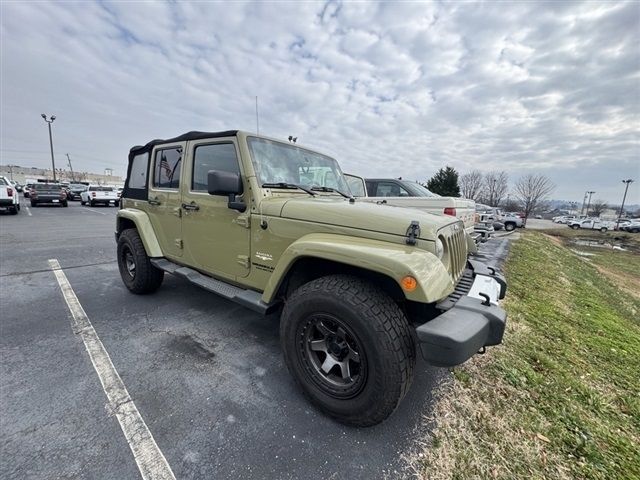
(584, 200)
(627, 181)
(53, 162)
(589, 202)
(73, 178)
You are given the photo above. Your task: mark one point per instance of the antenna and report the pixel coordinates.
(257, 118)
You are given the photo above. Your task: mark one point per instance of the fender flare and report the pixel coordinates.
(145, 230)
(393, 260)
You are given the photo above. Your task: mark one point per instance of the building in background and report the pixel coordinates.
(22, 174)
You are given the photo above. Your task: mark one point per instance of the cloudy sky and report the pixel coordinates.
(389, 89)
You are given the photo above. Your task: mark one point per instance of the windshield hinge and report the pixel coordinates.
(242, 220)
(243, 260)
(178, 243)
(413, 232)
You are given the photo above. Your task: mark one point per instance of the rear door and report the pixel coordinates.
(216, 237)
(164, 204)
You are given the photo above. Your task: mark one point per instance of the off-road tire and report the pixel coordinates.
(509, 226)
(382, 331)
(146, 278)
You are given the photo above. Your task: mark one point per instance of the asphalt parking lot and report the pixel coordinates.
(206, 375)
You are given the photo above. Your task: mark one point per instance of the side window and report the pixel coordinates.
(166, 173)
(219, 156)
(390, 189)
(139, 168)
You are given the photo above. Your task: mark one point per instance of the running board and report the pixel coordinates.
(247, 298)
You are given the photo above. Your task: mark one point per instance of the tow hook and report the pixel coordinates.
(486, 302)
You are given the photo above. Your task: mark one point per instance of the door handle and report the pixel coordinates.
(154, 201)
(193, 206)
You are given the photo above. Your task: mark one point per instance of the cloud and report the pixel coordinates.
(388, 89)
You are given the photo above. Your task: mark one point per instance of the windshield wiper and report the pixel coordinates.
(330, 190)
(288, 185)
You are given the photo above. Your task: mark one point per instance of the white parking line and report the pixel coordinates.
(94, 211)
(28, 211)
(151, 462)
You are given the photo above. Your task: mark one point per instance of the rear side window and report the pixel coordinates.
(139, 168)
(166, 173)
(219, 156)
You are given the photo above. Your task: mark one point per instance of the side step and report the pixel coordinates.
(247, 298)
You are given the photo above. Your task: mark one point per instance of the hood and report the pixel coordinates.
(360, 215)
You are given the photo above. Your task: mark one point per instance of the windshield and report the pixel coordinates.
(276, 162)
(356, 185)
(419, 190)
(47, 186)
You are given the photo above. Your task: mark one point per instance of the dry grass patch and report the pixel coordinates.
(561, 398)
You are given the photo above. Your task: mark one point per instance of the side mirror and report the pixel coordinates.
(226, 183)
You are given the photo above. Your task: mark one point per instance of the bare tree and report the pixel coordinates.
(598, 207)
(496, 185)
(471, 184)
(531, 190)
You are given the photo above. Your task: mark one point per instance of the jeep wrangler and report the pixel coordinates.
(360, 287)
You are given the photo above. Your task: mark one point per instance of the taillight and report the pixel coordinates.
(93, 194)
(450, 211)
(10, 191)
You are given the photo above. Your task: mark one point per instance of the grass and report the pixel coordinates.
(561, 397)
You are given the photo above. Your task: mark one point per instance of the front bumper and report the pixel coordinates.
(471, 318)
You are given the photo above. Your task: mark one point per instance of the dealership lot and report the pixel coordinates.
(206, 375)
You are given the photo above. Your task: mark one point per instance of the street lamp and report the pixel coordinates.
(589, 202)
(53, 162)
(627, 181)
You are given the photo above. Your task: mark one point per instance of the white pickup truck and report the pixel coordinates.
(99, 194)
(9, 198)
(407, 194)
(592, 224)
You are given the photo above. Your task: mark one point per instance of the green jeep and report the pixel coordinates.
(272, 226)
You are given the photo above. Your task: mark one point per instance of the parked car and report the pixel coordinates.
(511, 221)
(99, 195)
(48, 193)
(407, 194)
(26, 190)
(265, 223)
(632, 227)
(592, 224)
(75, 190)
(9, 198)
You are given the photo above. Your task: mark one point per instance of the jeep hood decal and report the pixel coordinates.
(361, 215)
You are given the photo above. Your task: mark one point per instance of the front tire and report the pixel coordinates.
(349, 347)
(603, 229)
(136, 270)
(509, 226)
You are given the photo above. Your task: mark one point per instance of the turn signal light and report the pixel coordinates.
(409, 283)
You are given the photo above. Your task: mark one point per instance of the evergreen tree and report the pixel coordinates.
(445, 183)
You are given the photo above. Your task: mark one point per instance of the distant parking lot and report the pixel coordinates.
(206, 375)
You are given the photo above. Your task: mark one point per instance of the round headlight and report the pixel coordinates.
(439, 248)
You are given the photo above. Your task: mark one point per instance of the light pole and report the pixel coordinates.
(53, 162)
(589, 202)
(584, 200)
(627, 181)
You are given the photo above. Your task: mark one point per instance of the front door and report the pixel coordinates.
(216, 237)
(165, 199)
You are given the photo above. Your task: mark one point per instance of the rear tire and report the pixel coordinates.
(349, 347)
(14, 210)
(91, 204)
(136, 270)
(603, 229)
(575, 227)
(33, 203)
(82, 202)
(65, 204)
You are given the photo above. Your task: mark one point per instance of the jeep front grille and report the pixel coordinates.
(455, 249)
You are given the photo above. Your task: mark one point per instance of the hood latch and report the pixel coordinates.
(413, 232)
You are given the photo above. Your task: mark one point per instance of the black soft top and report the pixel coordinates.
(180, 138)
(141, 193)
